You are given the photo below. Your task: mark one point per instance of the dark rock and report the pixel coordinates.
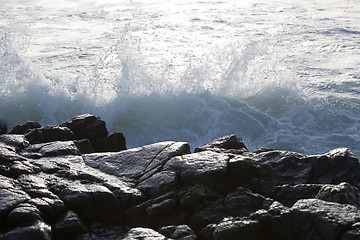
(314, 219)
(39, 231)
(89, 126)
(16, 142)
(143, 234)
(342, 193)
(213, 213)
(158, 184)
(178, 232)
(49, 134)
(51, 149)
(84, 146)
(115, 142)
(281, 167)
(50, 208)
(353, 233)
(138, 163)
(244, 171)
(7, 156)
(289, 194)
(205, 168)
(223, 144)
(197, 198)
(68, 227)
(243, 202)
(25, 127)
(24, 214)
(10, 197)
(240, 228)
(91, 201)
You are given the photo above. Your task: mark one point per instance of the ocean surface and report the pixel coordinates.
(279, 74)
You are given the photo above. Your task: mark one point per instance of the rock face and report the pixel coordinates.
(77, 181)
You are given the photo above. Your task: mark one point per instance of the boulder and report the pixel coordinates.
(159, 184)
(25, 127)
(15, 142)
(197, 197)
(342, 193)
(143, 234)
(24, 214)
(38, 231)
(205, 168)
(52, 149)
(68, 227)
(283, 167)
(229, 144)
(138, 163)
(183, 232)
(49, 134)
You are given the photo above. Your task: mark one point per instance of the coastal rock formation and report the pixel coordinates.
(77, 181)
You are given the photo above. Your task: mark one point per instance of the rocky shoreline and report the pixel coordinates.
(77, 181)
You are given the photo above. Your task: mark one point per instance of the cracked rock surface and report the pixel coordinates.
(78, 181)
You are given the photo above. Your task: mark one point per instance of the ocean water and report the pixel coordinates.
(279, 74)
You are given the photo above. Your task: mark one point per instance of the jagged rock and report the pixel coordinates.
(17, 168)
(39, 231)
(314, 219)
(52, 149)
(115, 142)
(84, 146)
(10, 197)
(244, 171)
(24, 214)
(89, 126)
(243, 202)
(158, 184)
(68, 227)
(143, 234)
(205, 168)
(183, 232)
(92, 202)
(138, 163)
(16, 142)
(229, 144)
(213, 213)
(50, 208)
(342, 193)
(240, 228)
(25, 127)
(282, 167)
(49, 134)
(7, 156)
(289, 194)
(197, 198)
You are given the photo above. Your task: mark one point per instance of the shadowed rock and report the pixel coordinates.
(25, 127)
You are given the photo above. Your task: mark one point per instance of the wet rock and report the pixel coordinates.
(84, 146)
(342, 193)
(138, 163)
(289, 194)
(7, 156)
(240, 228)
(282, 167)
(183, 232)
(68, 227)
(229, 144)
(89, 126)
(197, 197)
(49, 134)
(158, 184)
(213, 213)
(52, 149)
(314, 219)
(24, 214)
(243, 202)
(144, 234)
(16, 142)
(50, 208)
(25, 127)
(39, 231)
(205, 168)
(115, 142)
(10, 197)
(17, 168)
